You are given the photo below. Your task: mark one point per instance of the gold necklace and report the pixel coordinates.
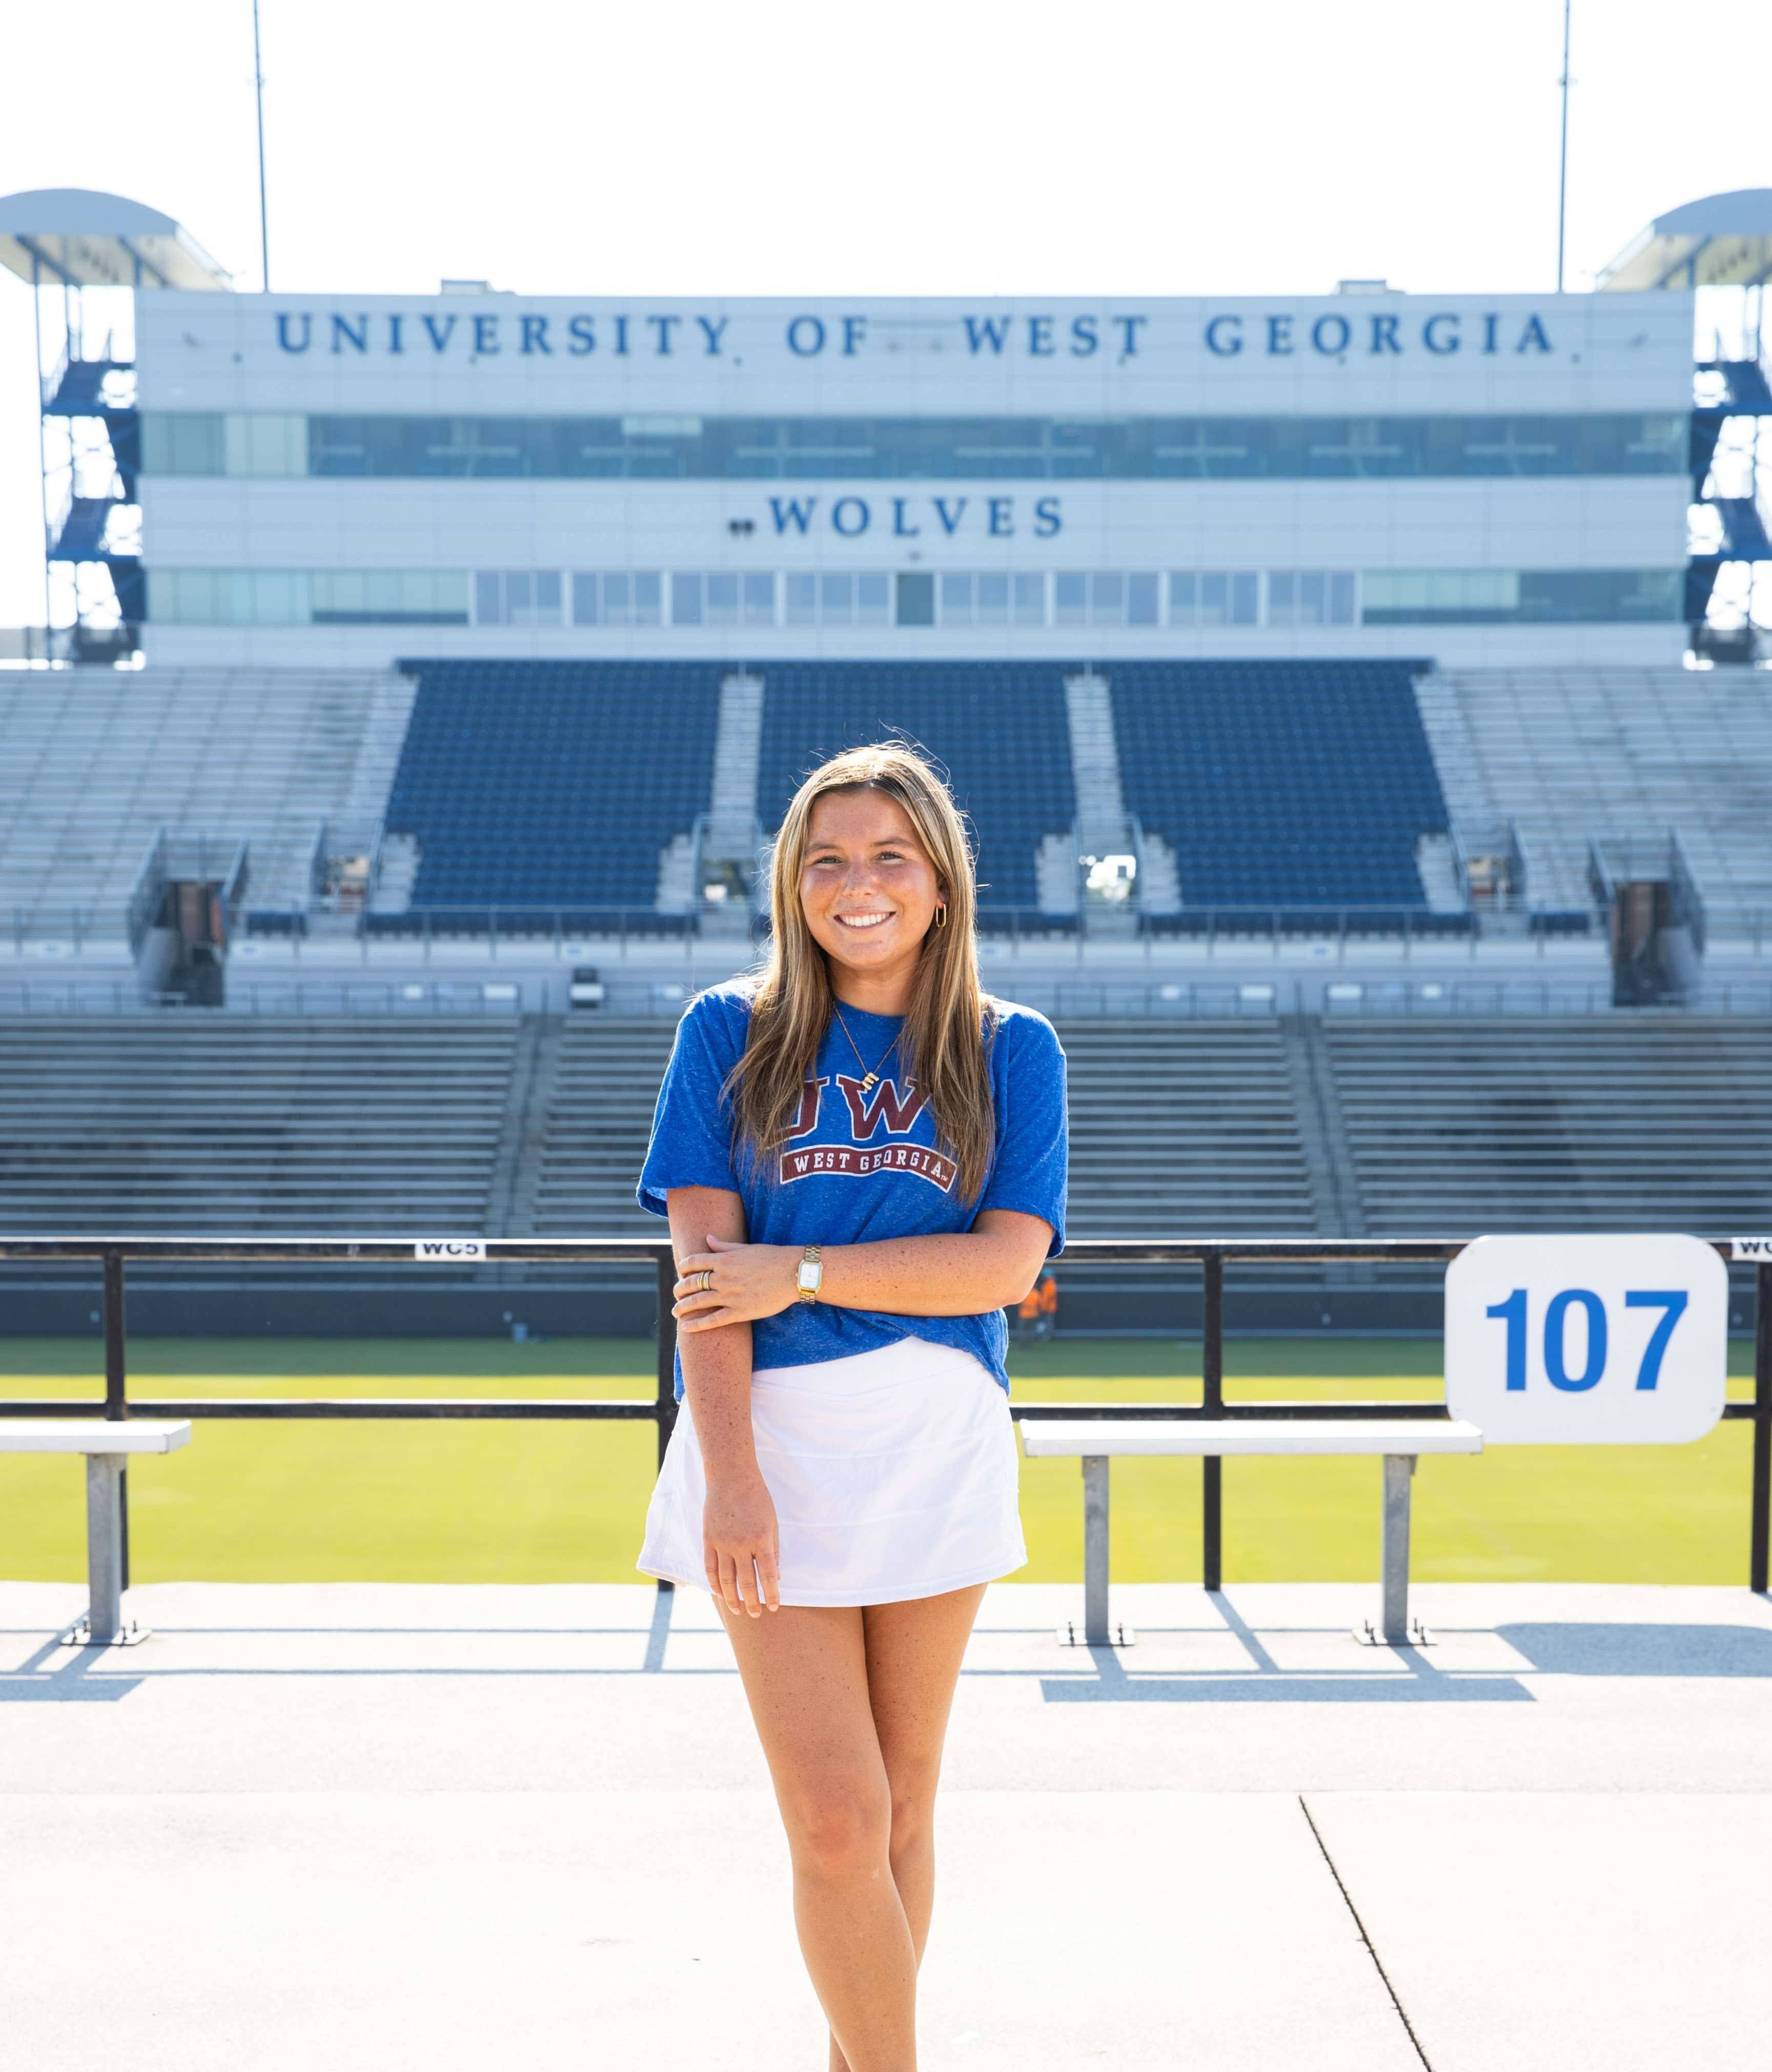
(870, 1080)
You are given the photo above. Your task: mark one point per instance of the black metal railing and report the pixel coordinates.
(1211, 1255)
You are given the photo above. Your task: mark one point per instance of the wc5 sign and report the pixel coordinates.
(1587, 1341)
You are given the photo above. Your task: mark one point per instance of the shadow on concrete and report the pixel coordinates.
(1566, 1649)
(69, 1682)
(1289, 1691)
(1113, 1684)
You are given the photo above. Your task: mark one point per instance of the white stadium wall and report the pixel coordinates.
(1396, 503)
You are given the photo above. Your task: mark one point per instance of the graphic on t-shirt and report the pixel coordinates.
(886, 1105)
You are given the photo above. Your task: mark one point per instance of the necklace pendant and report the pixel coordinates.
(868, 1083)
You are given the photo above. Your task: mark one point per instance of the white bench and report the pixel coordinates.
(1097, 1440)
(106, 1443)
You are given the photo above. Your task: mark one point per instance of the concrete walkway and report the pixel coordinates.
(376, 1825)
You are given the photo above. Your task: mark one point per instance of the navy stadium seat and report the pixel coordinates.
(997, 728)
(551, 784)
(1295, 784)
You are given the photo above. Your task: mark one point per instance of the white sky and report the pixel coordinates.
(935, 147)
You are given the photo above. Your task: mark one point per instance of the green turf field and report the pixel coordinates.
(494, 1502)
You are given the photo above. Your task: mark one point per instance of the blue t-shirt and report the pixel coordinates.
(859, 1164)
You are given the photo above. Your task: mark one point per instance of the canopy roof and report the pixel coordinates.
(1724, 241)
(87, 240)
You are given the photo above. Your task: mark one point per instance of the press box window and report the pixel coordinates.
(518, 597)
(916, 598)
(720, 599)
(302, 597)
(1102, 598)
(991, 600)
(618, 597)
(1307, 597)
(838, 600)
(390, 597)
(231, 443)
(230, 597)
(1230, 597)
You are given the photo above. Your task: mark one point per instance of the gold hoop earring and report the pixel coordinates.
(941, 914)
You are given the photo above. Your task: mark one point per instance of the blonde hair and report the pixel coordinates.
(943, 1046)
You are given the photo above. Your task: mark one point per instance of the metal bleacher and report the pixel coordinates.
(597, 1111)
(1599, 1123)
(95, 762)
(1613, 754)
(193, 1124)
(1175, 1126)
(537, 1126)
(1184, 1126)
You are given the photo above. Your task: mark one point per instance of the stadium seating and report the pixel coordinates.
(1281, 784)
(1572, 755)
(1365, 1127)
(239, 1126)
(551, 784)
(1213, 1140)
(95, 762)
(998, 728)
(1181, 1127)
(1603, 1122)
(596, 1098)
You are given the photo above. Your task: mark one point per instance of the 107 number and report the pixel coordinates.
(1671, 1301)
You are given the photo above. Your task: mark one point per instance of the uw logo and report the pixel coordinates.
(900, 1110)
(886, 1103)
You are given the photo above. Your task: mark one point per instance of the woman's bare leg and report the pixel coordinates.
(851, 1708)
(914, 1657)
(805, 1674)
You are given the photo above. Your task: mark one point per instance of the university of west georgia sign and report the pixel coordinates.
(1341, 337)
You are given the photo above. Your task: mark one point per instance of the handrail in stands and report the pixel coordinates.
(1211, 1255)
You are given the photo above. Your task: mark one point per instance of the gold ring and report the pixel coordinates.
(707, 1279)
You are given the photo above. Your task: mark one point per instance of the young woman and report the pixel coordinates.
(863, 1160)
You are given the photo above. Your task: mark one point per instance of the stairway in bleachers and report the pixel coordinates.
(1281, 784)
(1618, 754)
(553, 784)
(95, 761)
(1605, 1123)
(998, 728)
(192, 1122)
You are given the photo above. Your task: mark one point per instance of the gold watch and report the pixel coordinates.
(810, 1273)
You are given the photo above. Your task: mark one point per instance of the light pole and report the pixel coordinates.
(1562, 158)
(263, 218)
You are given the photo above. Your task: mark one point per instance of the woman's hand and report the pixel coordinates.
(741, 1549)
(742, 1283)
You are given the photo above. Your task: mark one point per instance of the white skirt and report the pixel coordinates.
(893, 1473)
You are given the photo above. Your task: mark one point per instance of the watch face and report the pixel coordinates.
(809, 1273)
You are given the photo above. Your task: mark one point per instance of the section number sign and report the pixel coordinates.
(1587, 1341)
